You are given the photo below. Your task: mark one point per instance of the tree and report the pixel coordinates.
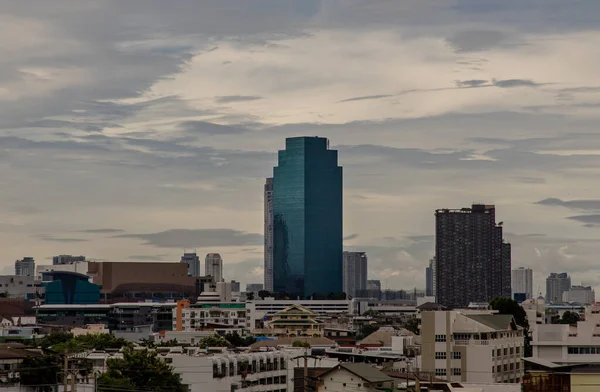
(139, 370)
(510, 306)
(263, 294)
(250, 296)
(52, 339)
(214, 341)
(85, 342)
(300, 343)
(42, 371)
(569, 317)
(412, 324)
(237, 341)
(365, 330)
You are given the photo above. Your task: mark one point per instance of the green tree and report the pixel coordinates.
(237, 341)
(510, 306)
(569, 317)
(365, 330)
(139, 370)
(42, 370)
(300, 343)
(412, 324)
(214, 341)
(250, 296)
(263, 294)
(91, 342)
(52, 339)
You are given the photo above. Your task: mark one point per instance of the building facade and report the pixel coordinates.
(15, 286)
(307, 210)
(209, 316)
(213, 266)
(268, 200)
(193, 262)
(355, 272)
(522, 282)
(67, 259)
(429, 274)
(475, 347)
(25, 267)
(584, 295)
(473, 263)
(556, 285)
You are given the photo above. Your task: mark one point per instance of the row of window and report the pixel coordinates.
(512, 350)
(248, 367)
(583, 350)
(506, 367)
(442, 355)
(442, 372)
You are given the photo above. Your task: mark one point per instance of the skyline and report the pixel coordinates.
(133, 138)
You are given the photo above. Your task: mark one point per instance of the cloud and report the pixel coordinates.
(591, 220)
(60, 239)
(366, 97)
(471, 83)
(509, 83)
(350, 237)
(477, 40)
(589, 205)
(159, 257)
(208, 128)
(199, 238)
(101, 231)
(237, 98)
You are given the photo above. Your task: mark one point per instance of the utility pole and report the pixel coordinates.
(66, 372)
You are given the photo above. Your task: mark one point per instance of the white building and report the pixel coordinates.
(268, 284)
(261, 310)
(193, 262)
(203, 316)
(569, 344)
(354, 272)
(584, 295)
(556, 285)
(522, 281)
(17, 286)
(25, 267)
(354, 377)
(67, 259)
(213, 266)
(470, 346)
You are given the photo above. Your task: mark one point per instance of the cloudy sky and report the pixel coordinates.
(130, 130)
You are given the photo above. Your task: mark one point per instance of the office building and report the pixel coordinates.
(472, 346)
(268, 267)
(193, 262)
(235, 286)
(67, 259)
(25, 267)
(355, 272)
(69, 288)
(254, 287)
(79, 266)
(213, 266)
(429, 279)
(583, 295)
(556, 285)
(522, 282)
(473, 263)
(307, 210)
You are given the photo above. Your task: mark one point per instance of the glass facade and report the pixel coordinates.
(68, 288)
(307, 219)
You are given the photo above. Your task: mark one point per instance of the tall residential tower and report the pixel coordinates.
(556, 286)
(472, 261)
(355, 272)
(307, 210)
(268, 267)
(213, 266)
(522, 282)
(193, 262)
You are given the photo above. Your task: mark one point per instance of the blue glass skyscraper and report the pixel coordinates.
(307, 219)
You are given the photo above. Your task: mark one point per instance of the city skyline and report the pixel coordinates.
(131, 139)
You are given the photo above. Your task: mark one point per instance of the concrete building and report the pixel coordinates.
(213, 266)
(268, 223)
(430, 278)
(556, 285)
(355, 377)
(373, 290)
(16, 286)
(77, 266)
(208, 316)
(254, 287)
(584, 295)
(471, 346)
(295, 320)
(307, 219)
(522, 282)
(235, 286)
(67, 259)
(355, 272)
(473, 263)
(193, 262)
(25, 267)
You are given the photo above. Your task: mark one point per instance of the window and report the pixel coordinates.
(498, 353)
(440, 338)
(518, 350)
(440, 372)
(512, 351)
(505, 367)
(498, 369)
(518, 365)
(458, 355)
(505, 351)
(456, 371)
(440, 355)
(512, 366)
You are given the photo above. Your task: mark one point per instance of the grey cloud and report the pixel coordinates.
(350, 237)
(471, 83)
(529, 180)
(160, 257)
(366, 97)
(477, 40)
(590, 205)
(237, 98)
(508, 83)
(101, 231)
(201, 238)
(59, 239)
(208, 128)
(591, 220)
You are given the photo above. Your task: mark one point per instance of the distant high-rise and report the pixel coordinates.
(213, 266)
(67, 259)
(355, 272)
(193, 262)
(522, 281)
(307, 210)
(473, 262)
(235, 286)
(268, 234)
(556, 285)
(25, 267)
(254, 287)
(429, 278)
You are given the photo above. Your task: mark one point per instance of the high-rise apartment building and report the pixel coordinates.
(307, 211)
(355, 272)
(25, 267)
(67, 259)
(193, 262)
(522, 282)
(583, 295)
(473, 262)
(556, 285)
(213, 266)
(430, 279)
(268, 234)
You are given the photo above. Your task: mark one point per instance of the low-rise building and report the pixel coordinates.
(295, 320)
(18, 286)
(354, 377)
(472, 346)
(91, 329)
(208, 316)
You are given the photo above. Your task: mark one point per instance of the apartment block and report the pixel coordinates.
(471, 346)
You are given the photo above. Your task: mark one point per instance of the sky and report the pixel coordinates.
(132, 130)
